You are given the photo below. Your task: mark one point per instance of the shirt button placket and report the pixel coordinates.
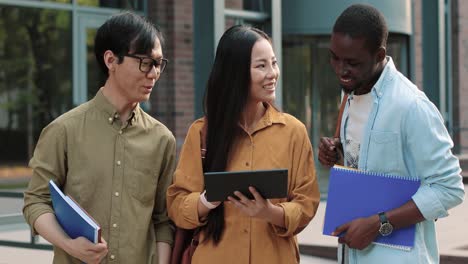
(114, 237)
(251, 147)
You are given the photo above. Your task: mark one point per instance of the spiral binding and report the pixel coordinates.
(356, 171)
(405, 248)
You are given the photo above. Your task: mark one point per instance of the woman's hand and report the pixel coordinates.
(258, 207)
(204, 207)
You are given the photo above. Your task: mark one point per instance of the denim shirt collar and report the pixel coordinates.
(387, 75)
(378, 89)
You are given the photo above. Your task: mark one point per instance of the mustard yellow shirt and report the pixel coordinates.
(279, 141)
(117, 171)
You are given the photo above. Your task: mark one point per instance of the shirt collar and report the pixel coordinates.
(271, 116)
(386, 75)
(101, 102)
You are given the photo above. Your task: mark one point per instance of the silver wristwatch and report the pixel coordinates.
(385, 227)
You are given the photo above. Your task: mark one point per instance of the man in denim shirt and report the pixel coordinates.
(388, 126)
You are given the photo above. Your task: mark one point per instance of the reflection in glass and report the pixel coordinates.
(55, 1)
(96, 78)
(35, 77)
(120, 4)
(247, 5)
(311, 90)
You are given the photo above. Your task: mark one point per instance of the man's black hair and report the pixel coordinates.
(361, 20)
(125, 33)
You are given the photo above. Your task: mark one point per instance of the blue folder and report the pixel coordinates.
(353, 194)
(74, 220)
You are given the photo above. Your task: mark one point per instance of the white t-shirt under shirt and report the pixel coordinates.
(358, 113)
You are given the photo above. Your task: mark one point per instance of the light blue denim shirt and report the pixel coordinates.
(405, 135)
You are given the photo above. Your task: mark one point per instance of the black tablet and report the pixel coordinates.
(269, 183)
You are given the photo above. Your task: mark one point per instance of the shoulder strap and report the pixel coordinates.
(340, 115)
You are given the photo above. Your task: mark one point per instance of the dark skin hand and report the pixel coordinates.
(330, 151)
(360, 232)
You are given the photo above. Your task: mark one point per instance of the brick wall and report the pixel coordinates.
(173, 100)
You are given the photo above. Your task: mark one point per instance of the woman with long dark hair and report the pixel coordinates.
(245, 131)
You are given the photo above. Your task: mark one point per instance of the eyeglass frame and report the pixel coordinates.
(156, 63)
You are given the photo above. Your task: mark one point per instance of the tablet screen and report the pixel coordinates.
(269, 183)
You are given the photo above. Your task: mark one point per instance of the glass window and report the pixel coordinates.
(397, 49)
(35, 77)
(55, 1)
(120, 4)
(255, 5)
(247, 5)
(311, 90)
(96, 78)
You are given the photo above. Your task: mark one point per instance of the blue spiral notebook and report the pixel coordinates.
(74, 220)
(353, 194)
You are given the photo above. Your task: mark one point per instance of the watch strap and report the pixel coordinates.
(383, 217)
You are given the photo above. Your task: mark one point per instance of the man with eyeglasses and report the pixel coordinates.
(114, 159)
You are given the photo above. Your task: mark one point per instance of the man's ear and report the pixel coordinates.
(110, 60)
(381, 54)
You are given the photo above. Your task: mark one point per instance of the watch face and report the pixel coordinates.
(385, 229)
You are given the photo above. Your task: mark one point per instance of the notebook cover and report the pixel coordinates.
(353, 194)
(74, 220)
(269, 183)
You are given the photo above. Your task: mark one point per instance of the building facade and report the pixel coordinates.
(47, 62)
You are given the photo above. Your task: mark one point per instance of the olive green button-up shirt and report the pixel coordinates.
(117, 171)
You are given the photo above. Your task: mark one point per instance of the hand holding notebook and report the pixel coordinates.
(354, 194)
(74, 220)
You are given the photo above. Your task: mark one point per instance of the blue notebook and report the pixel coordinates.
(74, 220)
(353, 194)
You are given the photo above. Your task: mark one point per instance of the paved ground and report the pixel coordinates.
(19, 232)
(452, 235)
(12, 255)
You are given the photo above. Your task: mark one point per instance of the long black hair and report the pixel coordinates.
(226, 96)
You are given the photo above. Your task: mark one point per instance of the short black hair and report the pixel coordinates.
(361, 20)
(124, 33)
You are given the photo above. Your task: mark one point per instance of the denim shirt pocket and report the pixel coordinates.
(383, 153)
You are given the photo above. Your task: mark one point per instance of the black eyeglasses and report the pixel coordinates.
(147, 63)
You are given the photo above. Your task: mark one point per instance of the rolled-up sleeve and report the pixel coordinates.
(184, 193)
(304, 195)
(48, 162)
(430, 157)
